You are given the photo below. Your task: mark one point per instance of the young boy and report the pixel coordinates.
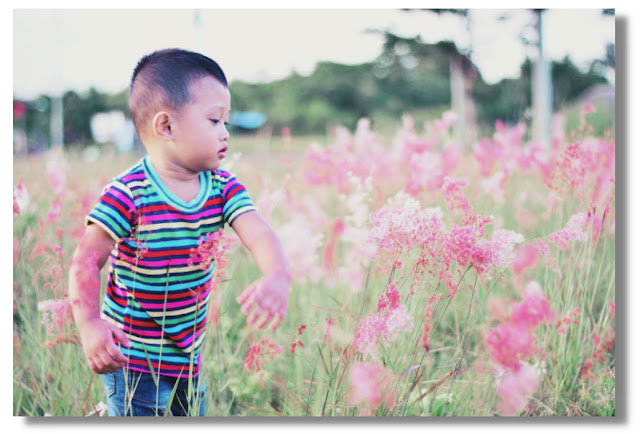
(157, 213)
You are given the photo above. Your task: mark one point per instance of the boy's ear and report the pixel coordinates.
(162, 126)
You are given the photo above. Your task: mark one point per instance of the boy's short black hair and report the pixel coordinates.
(161, 80)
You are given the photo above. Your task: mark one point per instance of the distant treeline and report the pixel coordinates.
(408, 76)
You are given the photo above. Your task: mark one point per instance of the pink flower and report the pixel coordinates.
(368, 330)
(403, 224)
(534, 308)
(513, 340)
(390, 299)
(515, 389)
(20, 197)
(327, 330)
(612, 309)
(296, 342)
(484, 155)
(526, 257)
(509, 343)
(456, 200)
(494, 185)
(212, 248)
(56, 173)
(371, 384)
(499, 249)
(56, 314)
(450, 156)
(337, 229)
(448, 118)
(574, 230)
(425, 172)
(382, 328)
(257, 353)
(544, 250)
(398, 320)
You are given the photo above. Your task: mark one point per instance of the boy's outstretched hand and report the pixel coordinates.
(265, 301)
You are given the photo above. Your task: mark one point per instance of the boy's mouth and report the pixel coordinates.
(222, 153)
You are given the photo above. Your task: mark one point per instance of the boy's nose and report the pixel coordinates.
(225, 134)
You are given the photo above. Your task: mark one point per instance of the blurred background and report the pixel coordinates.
(301, 72)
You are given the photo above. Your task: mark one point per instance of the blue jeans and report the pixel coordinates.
(139, 395)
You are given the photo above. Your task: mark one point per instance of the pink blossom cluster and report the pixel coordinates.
(573, 230)
(371, 384)
(403, 226)
(425, 164)
(545, 251)
(433, 299)
(384, 326)
(584, 167)
(302, 242)
(213, 248)
(360, 155)
(296, 341)
(327, 329)
(258, 352)
(424, 172)
(602, 343)
(20, 197)
(502, 150)
(525, 257)
(494, 185)
(467, 246)
(454, 196)
(497, 251)
(55, 315)
(572, 319)
(399, 228)
(513, 342)
(515, 388)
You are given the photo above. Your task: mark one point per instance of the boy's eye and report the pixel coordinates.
(217, 121)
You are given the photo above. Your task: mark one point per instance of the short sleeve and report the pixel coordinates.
(115, 211)
(235, 198)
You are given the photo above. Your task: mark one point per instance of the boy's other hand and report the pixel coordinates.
(265, 301)
(102, 354)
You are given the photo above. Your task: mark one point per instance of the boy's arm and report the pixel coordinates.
(265, 300)
(96, 334)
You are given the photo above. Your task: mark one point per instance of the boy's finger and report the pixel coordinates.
(116, 354)
(107, 361)
(254, 315)
(275, 322)
(263, 319)
(247, 306)
(121, 337)
(245, 294)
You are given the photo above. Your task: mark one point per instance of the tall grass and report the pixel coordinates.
(318, 376)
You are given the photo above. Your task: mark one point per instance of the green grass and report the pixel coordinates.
(55, 379)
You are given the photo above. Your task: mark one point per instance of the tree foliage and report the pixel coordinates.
(408, 75)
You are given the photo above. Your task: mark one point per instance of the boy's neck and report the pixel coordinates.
(182, 183)
(172, 172)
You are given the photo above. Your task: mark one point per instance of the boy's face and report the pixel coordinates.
(199, 132)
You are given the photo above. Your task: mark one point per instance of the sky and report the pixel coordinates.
(55, 50)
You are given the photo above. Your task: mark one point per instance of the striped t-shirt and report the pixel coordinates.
(156, 290)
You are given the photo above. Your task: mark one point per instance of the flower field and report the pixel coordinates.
(429, 277)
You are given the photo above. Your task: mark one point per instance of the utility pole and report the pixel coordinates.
(56, 127)
(458, 98)
(541, 92)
